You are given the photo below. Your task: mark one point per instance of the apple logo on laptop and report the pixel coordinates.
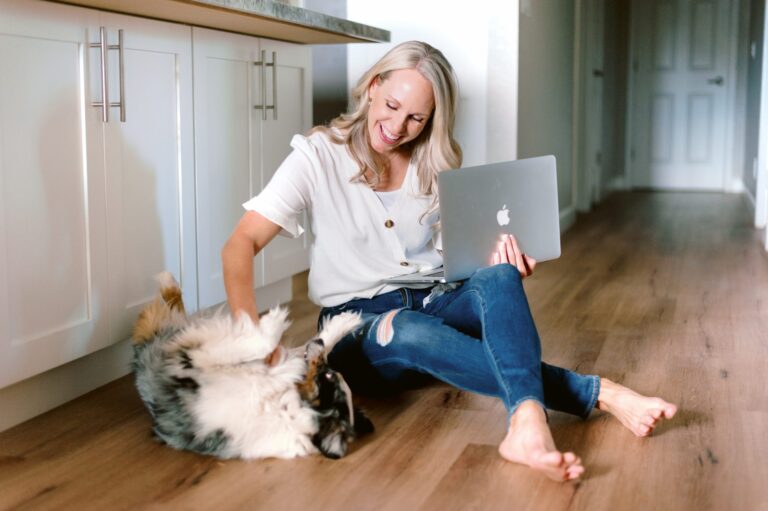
(503, 215)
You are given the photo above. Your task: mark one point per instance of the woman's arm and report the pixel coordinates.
(252, 233)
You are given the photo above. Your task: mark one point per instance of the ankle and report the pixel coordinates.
(528, 411)
(606, 395)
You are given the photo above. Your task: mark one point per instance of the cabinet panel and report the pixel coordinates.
(150, 171)
(227, 147)
(284, 256)
(52, 231)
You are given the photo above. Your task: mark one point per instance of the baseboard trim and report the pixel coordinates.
(750, 198)
(616, 184)
(39, 394)
(567, 218)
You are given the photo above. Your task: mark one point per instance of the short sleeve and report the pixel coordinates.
(437, 240)
(291, 188)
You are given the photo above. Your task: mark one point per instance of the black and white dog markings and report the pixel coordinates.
(213, 385)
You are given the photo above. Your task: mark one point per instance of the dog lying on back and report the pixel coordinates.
(211, 389)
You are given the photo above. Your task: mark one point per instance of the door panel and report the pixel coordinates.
(150, 174)
(681, 107)
(285, 256)
(52, 231)
(227, 148)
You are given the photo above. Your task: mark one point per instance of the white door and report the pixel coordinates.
(227, 147)
(53, 273)
(681, 84)
(289, 90)
(150, 172)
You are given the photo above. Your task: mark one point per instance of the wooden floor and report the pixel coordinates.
(665, 292)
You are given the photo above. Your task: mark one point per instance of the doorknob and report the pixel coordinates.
(718, 80)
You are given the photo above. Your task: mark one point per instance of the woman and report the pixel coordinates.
(369, 181)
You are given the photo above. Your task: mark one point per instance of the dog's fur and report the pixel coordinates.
(210, 389)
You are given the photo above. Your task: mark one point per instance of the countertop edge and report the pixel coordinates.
(264, 18)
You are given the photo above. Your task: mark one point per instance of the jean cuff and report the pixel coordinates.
(595, 394)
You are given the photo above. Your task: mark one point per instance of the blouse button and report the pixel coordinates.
(404, 263)
(389, 224)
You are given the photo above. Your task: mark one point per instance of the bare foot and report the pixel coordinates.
(639, 414)
(530, 442)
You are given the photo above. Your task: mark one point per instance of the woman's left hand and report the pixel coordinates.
(508, 251)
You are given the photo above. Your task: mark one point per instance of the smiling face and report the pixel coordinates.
(399, 110)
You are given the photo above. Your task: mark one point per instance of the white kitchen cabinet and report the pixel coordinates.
(53, 237)
(149, 167)
(239, 145)
(292, 75)
(90, 210)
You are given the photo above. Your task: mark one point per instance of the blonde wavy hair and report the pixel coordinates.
(435, 149)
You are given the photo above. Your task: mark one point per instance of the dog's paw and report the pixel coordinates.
(274, 323)
(337, 327)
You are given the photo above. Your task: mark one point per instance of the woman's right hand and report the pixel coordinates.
(508, 251)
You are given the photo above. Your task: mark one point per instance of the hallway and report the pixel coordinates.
(664, 292)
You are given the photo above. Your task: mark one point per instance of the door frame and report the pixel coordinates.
(587, 133)
(729, 184)
(761, 188)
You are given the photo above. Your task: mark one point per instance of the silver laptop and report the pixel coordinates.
(479, 204)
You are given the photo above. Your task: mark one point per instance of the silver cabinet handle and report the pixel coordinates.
(264, 64)
(102, 45)
(105, 104)
(121, 62)
(274, 85)
(263, 106)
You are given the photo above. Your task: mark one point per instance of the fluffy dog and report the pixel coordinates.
(210, 387)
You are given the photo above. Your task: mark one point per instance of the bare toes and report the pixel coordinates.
(643, 430)
(552, 459)
(574, 472)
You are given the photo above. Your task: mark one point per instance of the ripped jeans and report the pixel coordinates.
(479, 337)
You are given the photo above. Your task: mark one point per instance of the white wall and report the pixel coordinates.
(480, 42)
(546, 87)
(615, 92)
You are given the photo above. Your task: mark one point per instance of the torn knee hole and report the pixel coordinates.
(385, 331)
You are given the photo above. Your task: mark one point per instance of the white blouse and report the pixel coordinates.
(357, 241)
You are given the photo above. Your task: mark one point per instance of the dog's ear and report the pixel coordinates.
(273, 324)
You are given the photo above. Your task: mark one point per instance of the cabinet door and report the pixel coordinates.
(53, 287)
(149, 166)
(289, 87)
(227, 147)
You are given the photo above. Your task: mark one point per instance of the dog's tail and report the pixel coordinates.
(167, 310)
